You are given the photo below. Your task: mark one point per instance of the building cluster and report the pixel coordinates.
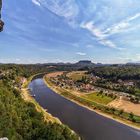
(88, 87)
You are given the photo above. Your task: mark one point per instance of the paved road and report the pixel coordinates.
(88, 124)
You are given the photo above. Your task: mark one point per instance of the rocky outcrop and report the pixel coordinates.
(1, 22)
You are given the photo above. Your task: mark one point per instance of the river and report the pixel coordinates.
(88, 124)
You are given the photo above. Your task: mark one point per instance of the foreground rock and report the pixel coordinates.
(1, 22)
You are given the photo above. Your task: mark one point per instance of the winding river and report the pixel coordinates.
(88, 124)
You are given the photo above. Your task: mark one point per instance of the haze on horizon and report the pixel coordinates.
(41, 31)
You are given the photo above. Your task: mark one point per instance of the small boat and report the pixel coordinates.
(33, 95)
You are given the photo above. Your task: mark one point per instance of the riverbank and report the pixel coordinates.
(77, 100)
(27, 97)
(47, 116)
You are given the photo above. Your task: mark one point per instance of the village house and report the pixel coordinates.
(129, 83)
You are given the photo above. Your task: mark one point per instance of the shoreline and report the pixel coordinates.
(26, 96)
(46, 115)
(112, 117)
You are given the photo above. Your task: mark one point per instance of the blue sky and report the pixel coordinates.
(40, 31)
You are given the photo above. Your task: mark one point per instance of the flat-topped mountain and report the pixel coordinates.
(85, 62)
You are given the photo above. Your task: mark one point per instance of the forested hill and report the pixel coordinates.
(116, 72)
(19, 120)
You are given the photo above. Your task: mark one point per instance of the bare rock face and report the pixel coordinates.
(0, 5)
(1, 25)
(1, 22)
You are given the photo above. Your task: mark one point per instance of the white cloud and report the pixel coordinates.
(46, 49)
(81, 53)
(138, 56)
(134, 17)
(95, 31)
(117, 28)
(67, 9)
(101, 37)
(108, 43)
(89, 46)
(61, 7)
(121, 26)
(10, 60)
(36, 2)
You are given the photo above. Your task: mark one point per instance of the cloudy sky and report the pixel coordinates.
(106, 31)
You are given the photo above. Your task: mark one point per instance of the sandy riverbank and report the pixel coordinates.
(27, 97)
(47, 117)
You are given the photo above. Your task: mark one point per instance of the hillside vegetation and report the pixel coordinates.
(19, 120)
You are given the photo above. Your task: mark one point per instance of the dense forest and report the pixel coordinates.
(117, 72)
(125, 78)
(19, 120)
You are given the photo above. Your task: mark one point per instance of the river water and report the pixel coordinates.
(88, 124)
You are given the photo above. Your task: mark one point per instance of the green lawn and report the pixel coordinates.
(102, 99)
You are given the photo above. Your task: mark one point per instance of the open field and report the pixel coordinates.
(127, 106)
(54, 74)
(102, 99)
(76, 75)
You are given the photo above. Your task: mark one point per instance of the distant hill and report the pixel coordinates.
(84, 62)
(133, 63)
